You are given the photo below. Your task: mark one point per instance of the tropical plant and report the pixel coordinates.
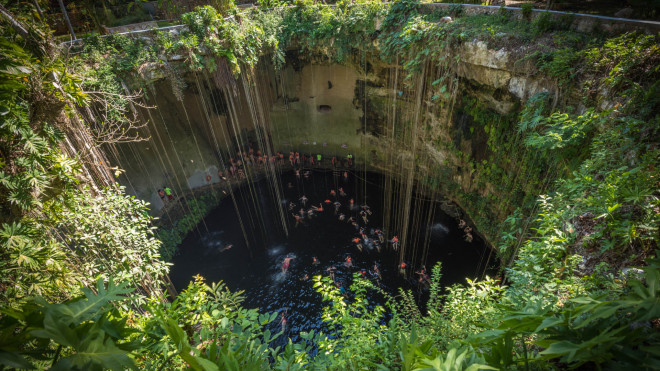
(84, 333)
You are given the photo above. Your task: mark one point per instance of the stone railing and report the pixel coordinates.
(579, 22)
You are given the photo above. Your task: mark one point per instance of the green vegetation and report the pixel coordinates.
(172, 236)
(574, 199)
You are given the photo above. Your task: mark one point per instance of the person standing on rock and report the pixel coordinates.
(168, 193)
(161, 194)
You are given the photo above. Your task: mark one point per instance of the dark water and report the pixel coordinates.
(257, 269)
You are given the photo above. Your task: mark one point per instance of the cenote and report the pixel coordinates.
(254, 261)
(204, 189)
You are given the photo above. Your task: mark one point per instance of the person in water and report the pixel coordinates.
(342, 290)
(315, 260)
(364, 217)
(161, 194)
(423, 276)
(337, 206)
(402, 269)
(366, 209)
(380, 235)
(285, 264)
(341, 192)
(331, 272)
(283, 322)
(333, 193)
(377, 272)
(226, 248)
(395, 243)
(349, 262)
(304, 199)
(298, 219)
(342, 217)
(357, 243)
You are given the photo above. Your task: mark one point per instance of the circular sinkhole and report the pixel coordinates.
(260, 246)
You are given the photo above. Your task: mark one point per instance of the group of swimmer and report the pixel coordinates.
(358, 217)
(259, 159)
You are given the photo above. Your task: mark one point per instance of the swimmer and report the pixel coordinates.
(226, 248)
(362, 233)
(298, 173)
(402, 269)
(395, 243)
(363, 273)
(341, 192)
(423, 276)
(357, 243)
(366, 209)
(379, 233)
(377, 271)
(352, 203)
(298, 219)
(342, 217)
(306, 174)
(377, 245)
(331, 272)
(283, 321)
(315, 261)
(333, 193)
(291, 206)
(345, 176)
(337, 206)
(327, 201)
(285, 264)
(364, 217)
(305, 277)
(342, 290)
(349, 262)
(302, 212)
(304, 199)
(310, 213)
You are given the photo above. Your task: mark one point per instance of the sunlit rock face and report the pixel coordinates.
(308, 106)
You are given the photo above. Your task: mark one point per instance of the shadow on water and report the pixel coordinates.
(322, 236)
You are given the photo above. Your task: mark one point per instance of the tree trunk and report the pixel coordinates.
(15, 24)
(36, 41)
(66, 18)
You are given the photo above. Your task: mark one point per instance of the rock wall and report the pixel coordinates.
(328, 109)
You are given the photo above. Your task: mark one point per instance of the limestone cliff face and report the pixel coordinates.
(365, 110)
